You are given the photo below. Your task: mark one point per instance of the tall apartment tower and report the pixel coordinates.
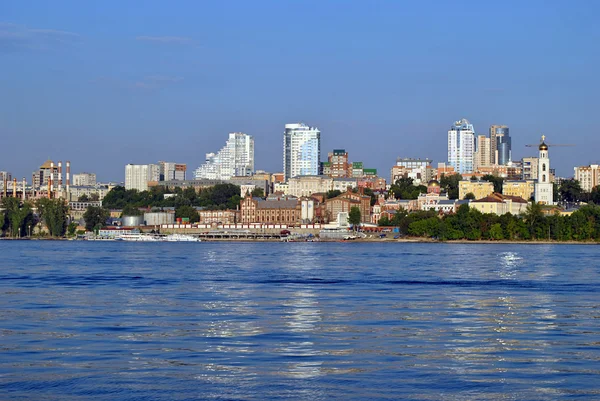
(461, 146)
(170, 171)
(137, 176)
(338, 163)
(235, 159)
(301, 150)
(588, 176)
(501, 146)
(543, 186)
(481, 157)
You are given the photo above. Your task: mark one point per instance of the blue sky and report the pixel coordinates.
(108, 83)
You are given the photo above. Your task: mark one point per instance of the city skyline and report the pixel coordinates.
(136, 85)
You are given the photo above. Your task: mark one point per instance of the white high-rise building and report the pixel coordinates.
(301, 150)
(461, 146)
(235, 159)
(137, 176)
(543, 186)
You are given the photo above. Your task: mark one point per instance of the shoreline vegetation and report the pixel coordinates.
(50, 218)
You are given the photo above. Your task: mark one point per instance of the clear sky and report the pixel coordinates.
(106, 83)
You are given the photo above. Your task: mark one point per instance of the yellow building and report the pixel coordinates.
(480, 189)
(499, 204)
(523, 188)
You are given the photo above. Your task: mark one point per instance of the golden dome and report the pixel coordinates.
(433, 183)
(47, 164)
(543, 145)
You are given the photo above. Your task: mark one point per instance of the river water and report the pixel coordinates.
(302, 321)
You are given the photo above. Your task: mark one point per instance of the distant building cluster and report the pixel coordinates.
(309, 190)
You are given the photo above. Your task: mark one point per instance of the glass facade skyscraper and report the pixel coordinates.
(501, 147)
(301, 150)
(461, 146)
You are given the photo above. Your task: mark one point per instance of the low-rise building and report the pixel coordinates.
(281, 188)
(445, 206)
(246, 189)
(521, 188)
(342, 184)
(306, 185)
(345, 202)
(268, 211)
(78, 209)
(219, 216)
(480, 189)
(258, 182)
(499, 204)
(373, 183)
(75, 192)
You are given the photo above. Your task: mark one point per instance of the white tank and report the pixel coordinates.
(158, 218)
(133, 221)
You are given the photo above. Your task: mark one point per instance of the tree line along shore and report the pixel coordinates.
(50, 218)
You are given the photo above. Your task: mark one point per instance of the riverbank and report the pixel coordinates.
(358, 240)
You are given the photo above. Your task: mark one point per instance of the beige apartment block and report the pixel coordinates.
(480, 189)
(522, 188)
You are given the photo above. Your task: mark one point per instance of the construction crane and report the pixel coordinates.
(543, 141)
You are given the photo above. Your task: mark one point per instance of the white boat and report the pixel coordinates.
(139, 237)
(181, 238)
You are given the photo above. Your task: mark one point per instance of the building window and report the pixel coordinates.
(544, 167)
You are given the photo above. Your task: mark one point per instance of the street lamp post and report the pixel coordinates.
(29, 230)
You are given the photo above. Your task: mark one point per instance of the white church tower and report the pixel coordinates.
(543, 187)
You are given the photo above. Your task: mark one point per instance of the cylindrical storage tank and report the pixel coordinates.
(158, 218)
(133, 221)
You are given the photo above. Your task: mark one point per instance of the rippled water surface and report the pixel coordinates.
(306, 321)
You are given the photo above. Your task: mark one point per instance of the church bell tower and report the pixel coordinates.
(544, 193)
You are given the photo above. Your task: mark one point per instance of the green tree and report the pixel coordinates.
(354, 216)
(496, 232)
(384, 221)
(18, 216)
(470, 195)
(425, 228)
(258, 193)
(570, 191)
(95, 197)
(533, 217)
(369, 192)
(333, 193)
(404, 188)
(233, 202)
(187, 212)
(497, 181)
(130, 210)
(450, 184)
(71, 228)
(95, 217)
(54, 214)
(83, 198)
